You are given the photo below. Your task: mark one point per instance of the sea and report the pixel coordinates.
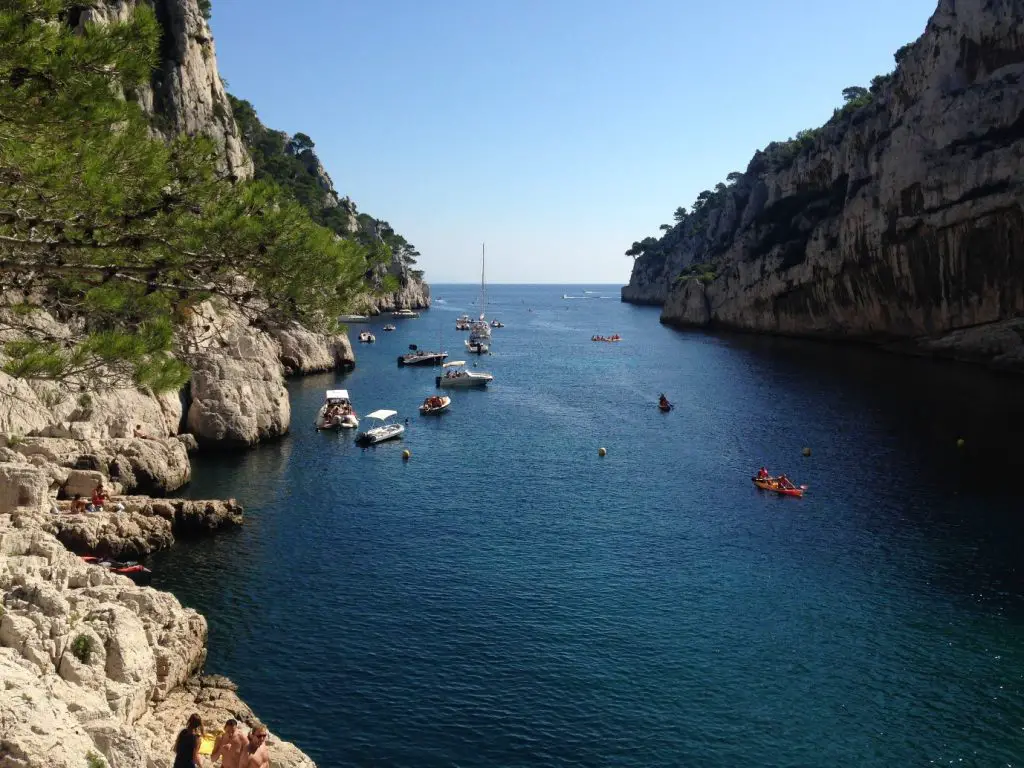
(508, 596)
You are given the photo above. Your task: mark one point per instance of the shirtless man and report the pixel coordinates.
(229, 746)
(255, 754)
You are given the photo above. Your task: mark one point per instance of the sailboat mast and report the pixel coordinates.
(483, 283)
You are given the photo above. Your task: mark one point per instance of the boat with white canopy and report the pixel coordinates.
(457, 376)
(336, 412)
(388, 430)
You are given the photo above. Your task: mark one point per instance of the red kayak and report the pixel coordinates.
(771, 484)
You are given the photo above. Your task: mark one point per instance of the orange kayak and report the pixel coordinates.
(771, 485)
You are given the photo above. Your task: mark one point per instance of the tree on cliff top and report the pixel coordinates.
(121, 234)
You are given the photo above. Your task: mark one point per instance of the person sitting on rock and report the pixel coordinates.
(99, 496)
(139, 434)
(78, 505)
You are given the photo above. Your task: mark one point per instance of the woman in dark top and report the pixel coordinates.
(186, 747)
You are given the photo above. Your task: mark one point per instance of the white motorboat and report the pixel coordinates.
(367, 338)
(353, 319)
(336, 412)
(388, 430)
(477, 347)
(388, 327)
(456, 376)
(463, 323)
(497, 324)
(406, 313)
(435, 404)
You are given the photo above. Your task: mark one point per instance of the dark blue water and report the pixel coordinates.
(509, 598)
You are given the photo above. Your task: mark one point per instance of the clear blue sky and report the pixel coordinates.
(558, 131)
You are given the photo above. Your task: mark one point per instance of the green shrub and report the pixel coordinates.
(94, 760)
(82, 647)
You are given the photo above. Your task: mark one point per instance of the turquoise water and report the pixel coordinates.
(510, 598)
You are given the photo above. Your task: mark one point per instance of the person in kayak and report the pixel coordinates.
(762, 474)
(663, 401)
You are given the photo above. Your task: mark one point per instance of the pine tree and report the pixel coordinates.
(121, 234)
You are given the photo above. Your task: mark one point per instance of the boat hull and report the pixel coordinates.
(380, 434)
(434, 410)
(766, 485)
(422, 360)
(463, 382)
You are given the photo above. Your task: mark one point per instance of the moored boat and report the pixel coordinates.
(388, 327)
(367, 338)
(421, 357)
(388, 430)
(463, 323)
(497, 324)
(405, 313)
(457, 377)
(336, 412)
(354, 319)
(435, 404)
(477, 347)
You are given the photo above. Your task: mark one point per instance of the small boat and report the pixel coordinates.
(353, 319)
(665, 406)
(388, 430)
(405, 313)
(388, 327)
(497, 324)
(135, 571)
(477, 347)
(772, 484)
(336, 412)
(435, 404)
(367, 338)
(613, 337)
(463, 323)
(457, 377)
(421, 357)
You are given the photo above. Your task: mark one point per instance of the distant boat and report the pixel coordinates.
(405, 313)
(388, 327)
(367, 338)
(353, 319)
(480, 331)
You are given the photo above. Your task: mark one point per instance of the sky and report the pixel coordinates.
(557, 132)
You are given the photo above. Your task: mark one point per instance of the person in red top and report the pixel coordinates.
(99, 496)
(762, 474)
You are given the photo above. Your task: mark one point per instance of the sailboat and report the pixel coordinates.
(480, 331)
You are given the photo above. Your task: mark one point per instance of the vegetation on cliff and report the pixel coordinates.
(120, 234)
(776, 156)
(292, 163)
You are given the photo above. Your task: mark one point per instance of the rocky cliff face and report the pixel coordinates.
(412, 293)
(186, 94)
(900, 221)
(95, 668)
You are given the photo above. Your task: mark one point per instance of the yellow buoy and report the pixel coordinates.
(807, 451)
(601, 451)
(406, 454)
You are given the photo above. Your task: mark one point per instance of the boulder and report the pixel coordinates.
(237, 388)
(23, 485)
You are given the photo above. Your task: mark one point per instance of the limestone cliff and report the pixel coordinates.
(900, 221)
(186, 94)
(96, 670)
